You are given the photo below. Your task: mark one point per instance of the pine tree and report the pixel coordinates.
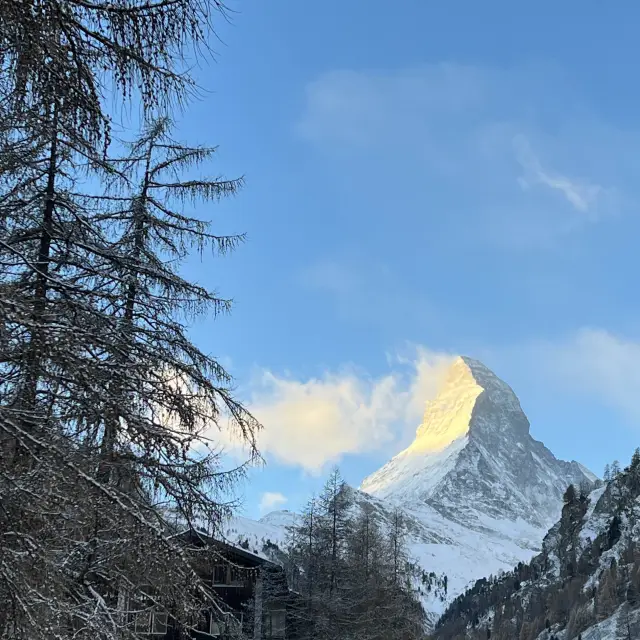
(606, 596)
(103, 399)
(166, 390)
(48, 249)
(367, 591)
(397, 546)
(103, 396)
(303, 554)
(614, 533)
(615, 470)
(64, 51)
(570, 495)
(363, 558)
(381, 596)
(334, 505)
(585, 490)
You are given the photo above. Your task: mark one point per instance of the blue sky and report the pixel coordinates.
(424, 179)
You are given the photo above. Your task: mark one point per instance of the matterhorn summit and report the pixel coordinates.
(479, 490)
(473, 459)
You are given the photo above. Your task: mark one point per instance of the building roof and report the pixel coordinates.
(199, 535)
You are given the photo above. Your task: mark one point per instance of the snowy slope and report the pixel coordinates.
(475, 474)
(257, 535)
(611, 628)
(478, 492)
(473, 456)
(585, 582)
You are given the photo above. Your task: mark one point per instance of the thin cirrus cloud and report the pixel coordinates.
(471, 138)
(582, 195)
(314, 422)
(599, 364)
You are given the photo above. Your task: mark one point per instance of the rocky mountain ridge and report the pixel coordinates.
(584, 584)
(473, 455)
(477, 492)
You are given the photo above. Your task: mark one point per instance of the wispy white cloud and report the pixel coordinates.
(369, 108)
(582, 195)
(271, 500)
(599, 364)
(333, 277)
(310, 423)
(442, 137)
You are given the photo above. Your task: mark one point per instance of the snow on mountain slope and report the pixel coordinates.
(475, 474)
(257, 535)
(478, 492)
(283, 518)
(473, 456)
(585, 584)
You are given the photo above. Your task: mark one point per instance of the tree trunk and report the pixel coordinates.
(112, 418)
(28, 393)
(257, 618)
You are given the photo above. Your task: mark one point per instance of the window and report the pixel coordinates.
(215, 628)
(237, 577)
(141, 614)
(228, 576)
(275, 623)
(229, 624)
(220, 574)
(159, 623)
(150, 622)
(218, 624)
(141, 620)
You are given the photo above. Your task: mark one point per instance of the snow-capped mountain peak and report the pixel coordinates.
(478, 493)
(475, 478)
(473, 456)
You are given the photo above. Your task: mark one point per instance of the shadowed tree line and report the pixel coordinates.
(349, 571)
(574, 583)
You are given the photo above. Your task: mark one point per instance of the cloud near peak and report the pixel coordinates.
(310, 423)
(314, 422)
(271, 500)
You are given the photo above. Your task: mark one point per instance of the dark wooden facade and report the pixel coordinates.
(252, 590)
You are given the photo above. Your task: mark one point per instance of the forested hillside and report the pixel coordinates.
(588, 571)
(351, 570)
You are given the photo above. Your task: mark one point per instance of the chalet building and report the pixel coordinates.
(252, 591)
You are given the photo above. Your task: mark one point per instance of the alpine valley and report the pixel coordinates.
(481, 499)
